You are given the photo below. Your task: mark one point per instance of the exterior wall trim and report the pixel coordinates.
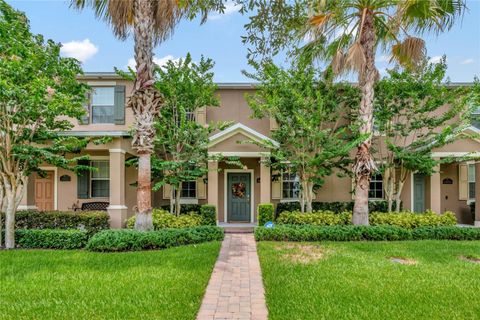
(27, 207)
(95, 133)
(55, 184)
(117, 151)
(454, 154)
(240, 128)
(116, 207)
(102, 83)
(252, 192)
(252, 154)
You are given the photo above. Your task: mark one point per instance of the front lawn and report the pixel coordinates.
(47, 284)
(359, 280)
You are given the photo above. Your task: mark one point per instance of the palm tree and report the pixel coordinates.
(152, 21)
(349, 32)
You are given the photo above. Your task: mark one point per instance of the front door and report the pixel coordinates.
(418, 193)
(238, 197)
(44, 192)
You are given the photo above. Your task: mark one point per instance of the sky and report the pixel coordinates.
(91, 41)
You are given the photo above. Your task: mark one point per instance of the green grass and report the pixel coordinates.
(356, 280)
(47, 284)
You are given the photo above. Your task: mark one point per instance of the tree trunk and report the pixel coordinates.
(309, 193)
(143, 220)
(364, 164)
(144, 101)
(178, 207)
(10, 221)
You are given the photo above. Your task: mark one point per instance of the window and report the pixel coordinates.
(189, 190)
(471, 182)
(376, 187)
(190, 115)
(290, 185)
(100, 179)
(103, 105)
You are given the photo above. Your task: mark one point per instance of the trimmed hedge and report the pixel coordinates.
(185, 208)
(132, 240)
(377, 205)
(91, 221)
(266, 212)
(51, 239)
(362, 233)
(405, 219)
(163, 219)
(209, 214)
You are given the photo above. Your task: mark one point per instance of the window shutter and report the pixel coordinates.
(462, 181)
(119, 111)
(85, 119)
(83, 181)
(201, 189)
(167, 191)
(276, 185)
(201, 116)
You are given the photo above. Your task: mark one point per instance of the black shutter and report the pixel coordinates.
(119, 105)
(83, 181)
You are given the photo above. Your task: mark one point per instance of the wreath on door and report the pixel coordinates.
(239, 189)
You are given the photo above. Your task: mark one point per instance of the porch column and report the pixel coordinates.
(477, 194)
(28, 200)
(117, 208)
(265, 183)
(435, 191)
(212, 184)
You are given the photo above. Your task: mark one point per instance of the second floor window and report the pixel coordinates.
(376, 187)
(290, 185)
(103, 105)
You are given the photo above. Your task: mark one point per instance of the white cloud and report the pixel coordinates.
(468, 61)
(159, 61)
(230, 7)
(80, 50)
(435, 59)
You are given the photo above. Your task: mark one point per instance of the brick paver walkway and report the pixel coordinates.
(235, 290)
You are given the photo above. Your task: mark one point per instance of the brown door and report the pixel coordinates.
(44, 192)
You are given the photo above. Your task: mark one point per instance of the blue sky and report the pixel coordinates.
(92, 41)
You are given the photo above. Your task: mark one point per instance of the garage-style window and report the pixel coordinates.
(103, 105)
(100, 179)
(376, 187)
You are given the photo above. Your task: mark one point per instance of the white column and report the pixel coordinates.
(212, 185)
(435, 191)
(117, 208)
(477, 195)
(265, 183)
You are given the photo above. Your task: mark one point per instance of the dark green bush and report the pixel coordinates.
(336, 207)
(91, 221)
(209, 214)
(359, 233)
(266, 213)
(132, 240)
(50, 239)
(185, 208)
(163, 219)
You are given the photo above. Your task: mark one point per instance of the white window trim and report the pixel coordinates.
(187, 200)
(383, 191)
(99, 159)
(469, 164)
(281, 189)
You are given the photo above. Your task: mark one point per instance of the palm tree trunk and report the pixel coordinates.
(144, 101)
(364, 164)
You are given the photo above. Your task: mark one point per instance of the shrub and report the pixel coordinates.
(185, 208)
(51, 239)
(132, 240)
(163, 219)
(359, 233)
(336, 207)
(411, 220)
(265, 213)
(91, 221)
(317, 218)
(209, 214)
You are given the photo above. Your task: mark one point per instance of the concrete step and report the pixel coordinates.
(238, 230)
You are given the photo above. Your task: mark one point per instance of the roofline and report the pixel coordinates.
(222, 85)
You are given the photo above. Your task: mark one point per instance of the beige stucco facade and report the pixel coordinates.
(446, 190)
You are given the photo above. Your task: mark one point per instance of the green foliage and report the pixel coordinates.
(412, 220)
(314, 131)
(209, 214)
(163, 219)
(266, 213)
(90, 221)
(132, 240)
(380, 206)
(50, 239)
(361, 233)
(318, 218)
(186, 208)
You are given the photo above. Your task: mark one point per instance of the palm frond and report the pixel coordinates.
(356, 57)
(409, 52)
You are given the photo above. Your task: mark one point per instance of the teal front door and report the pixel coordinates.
(418, 193)
(238, 197)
